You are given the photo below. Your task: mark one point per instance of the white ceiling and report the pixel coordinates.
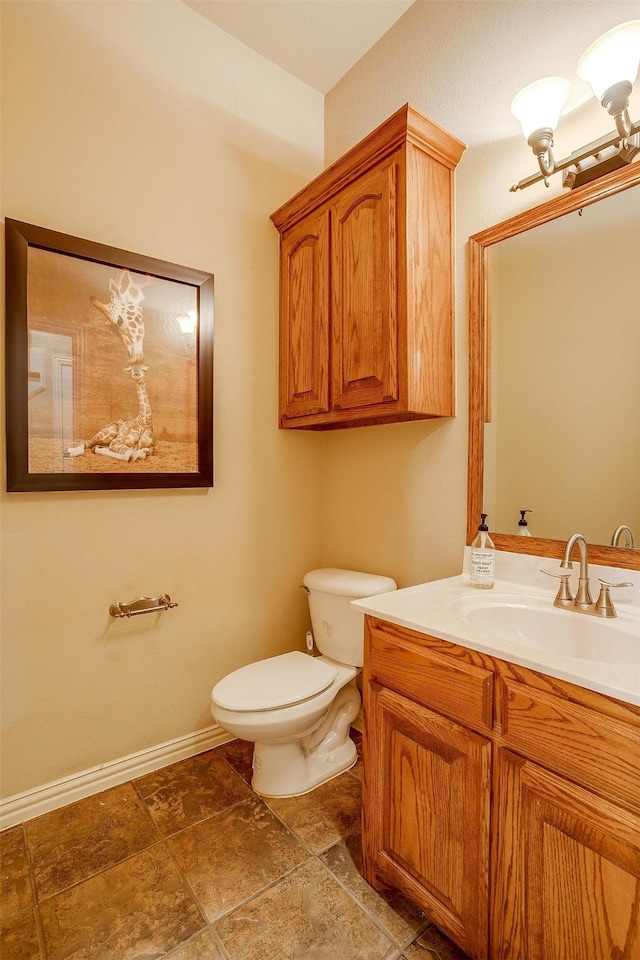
(317, 41)
(474, 54)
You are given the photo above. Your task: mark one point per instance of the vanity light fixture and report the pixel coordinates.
(538, 107)
(610, 65)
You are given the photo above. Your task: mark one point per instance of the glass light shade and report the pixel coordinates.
(538, 105)
(611, 58)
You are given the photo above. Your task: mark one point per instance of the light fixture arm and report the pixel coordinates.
(578, 156)
(616, 101)
(541, 142)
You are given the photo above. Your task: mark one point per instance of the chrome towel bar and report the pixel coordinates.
(142, 605)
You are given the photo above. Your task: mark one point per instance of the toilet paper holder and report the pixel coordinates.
(142, 605)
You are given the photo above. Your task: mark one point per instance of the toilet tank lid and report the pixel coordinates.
(348, 583)
(275, 682)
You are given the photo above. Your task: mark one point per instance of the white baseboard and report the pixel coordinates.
(50, 796)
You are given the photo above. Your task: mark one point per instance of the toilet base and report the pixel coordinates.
(282, 770)
(293, 768)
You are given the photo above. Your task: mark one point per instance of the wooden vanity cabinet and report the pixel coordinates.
(567, 869)
(565, 823)
(503, 802)
(427, 780)
(366, 278)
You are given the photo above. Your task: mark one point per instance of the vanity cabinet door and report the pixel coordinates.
(304, 318)
(567, 869)
(426, 814)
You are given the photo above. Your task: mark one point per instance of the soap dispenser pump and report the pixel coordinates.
(523, 528)
(482, 558)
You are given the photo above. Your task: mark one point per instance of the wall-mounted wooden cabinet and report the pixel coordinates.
(503, 802)
(366, 283)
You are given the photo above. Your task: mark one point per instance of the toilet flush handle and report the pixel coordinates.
(305, 588)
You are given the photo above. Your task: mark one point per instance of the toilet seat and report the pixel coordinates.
(280, 681)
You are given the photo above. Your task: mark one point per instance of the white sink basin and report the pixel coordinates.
(537, 624)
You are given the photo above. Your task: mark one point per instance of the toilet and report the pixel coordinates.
(298, 709)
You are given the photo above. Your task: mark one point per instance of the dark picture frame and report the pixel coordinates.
(109, 366)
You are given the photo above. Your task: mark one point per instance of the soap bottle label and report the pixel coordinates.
(482, 564)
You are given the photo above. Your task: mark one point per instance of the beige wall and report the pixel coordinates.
(135, 125)
(396, 495)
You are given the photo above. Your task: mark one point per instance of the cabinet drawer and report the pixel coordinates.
(457, 689)
(573, 740)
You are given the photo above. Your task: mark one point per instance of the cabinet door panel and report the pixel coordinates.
(462, 691)
(304, 318)
(364, 283)
(427, 813)
(568, 870)
(423, 776)
(574, 741)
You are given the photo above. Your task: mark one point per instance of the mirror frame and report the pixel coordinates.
(479, 330)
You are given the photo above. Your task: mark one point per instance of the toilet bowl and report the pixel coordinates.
(298, 709)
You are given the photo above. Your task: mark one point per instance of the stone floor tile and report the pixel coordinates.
(15, 884)
(19, 937)
(190, 791)
(433, 945)
(305, 916)
(239, 753)
(200, 947)
(109, 890)
(393, 911)
(327, 814)
(139, 908)
(230, 857)
(74, 842)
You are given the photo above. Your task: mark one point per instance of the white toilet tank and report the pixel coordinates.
(338, 629)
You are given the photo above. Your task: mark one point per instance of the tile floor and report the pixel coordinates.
(188, 863)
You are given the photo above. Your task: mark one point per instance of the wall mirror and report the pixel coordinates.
(554, 383)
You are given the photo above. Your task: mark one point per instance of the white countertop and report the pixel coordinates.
(433, 608)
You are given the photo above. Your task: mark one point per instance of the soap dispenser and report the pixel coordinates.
(482, 558)
(523, 529)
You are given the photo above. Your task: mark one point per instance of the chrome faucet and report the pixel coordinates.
(622, 529)
(582, 602)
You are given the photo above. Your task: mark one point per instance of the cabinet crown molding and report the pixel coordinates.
(406, 125)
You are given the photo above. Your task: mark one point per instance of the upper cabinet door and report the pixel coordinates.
(304, 317)
(366, 270)
(364, 367)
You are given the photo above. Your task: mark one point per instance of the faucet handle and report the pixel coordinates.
(564, 597)
(604, 606)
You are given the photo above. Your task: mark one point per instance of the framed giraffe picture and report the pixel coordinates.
(109, 367)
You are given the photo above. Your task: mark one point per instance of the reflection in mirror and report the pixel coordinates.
(50, 390)
(555, 326)
(564, 375)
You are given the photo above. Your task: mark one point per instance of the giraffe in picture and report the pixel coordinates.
(125, 439)
(124, 312)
